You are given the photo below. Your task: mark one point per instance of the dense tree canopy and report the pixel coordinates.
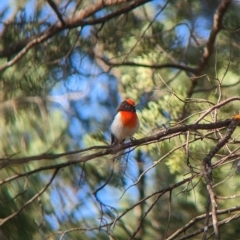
(64, 68)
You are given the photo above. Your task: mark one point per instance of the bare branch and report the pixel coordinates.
(208, 50)
(153, 66)
(55, 9)
(217, 106)
(217, 26)
(207, 172)
(107, 150)
(77, 21)
(198, 218)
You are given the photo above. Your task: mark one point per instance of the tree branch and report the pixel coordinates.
(77, 21)
(207, 172)
(217, 106)
(208, 50)
(107, 150)
(55, 9)
(199, 218)
(153, 66)
(217, 26)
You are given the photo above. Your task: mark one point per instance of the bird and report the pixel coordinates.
(125, 123)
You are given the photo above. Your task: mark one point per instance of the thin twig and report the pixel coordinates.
(55, 9)
(207, 172)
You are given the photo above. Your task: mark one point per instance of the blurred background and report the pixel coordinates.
(65, 65)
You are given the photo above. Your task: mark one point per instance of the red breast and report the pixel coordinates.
(129, 119)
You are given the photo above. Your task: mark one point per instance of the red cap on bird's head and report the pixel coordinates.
(130, 101)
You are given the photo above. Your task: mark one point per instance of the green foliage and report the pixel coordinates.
(145, 54)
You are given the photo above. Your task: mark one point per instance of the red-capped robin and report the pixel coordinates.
(125, 123)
